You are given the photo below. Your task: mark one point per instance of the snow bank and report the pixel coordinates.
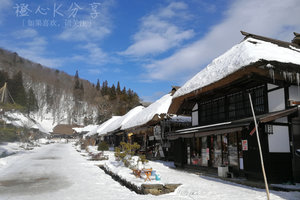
(247, 52)
(43, 141)
(7, 149)
(10, 148)
(161, 106)
(193, 186)
(18, 119)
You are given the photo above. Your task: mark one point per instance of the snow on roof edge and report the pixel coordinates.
(247, 52)
(160, 106)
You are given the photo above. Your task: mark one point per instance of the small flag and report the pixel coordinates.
(252, 132)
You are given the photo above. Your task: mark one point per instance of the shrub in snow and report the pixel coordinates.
(125, 153)
(143, 159)
(103, 146)
(8, 134)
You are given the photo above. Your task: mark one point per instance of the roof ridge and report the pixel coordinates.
(267, 39)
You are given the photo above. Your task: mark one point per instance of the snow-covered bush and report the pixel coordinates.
(126, 152)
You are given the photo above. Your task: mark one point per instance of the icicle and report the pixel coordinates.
(290, 76)
(272, 74)
(298, 81)
(284, 75)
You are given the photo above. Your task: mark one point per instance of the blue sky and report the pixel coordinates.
(147, 45)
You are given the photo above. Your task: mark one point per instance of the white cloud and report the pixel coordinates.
(35, 50)
(96, 32)
(30, 45)
(271, 18)
(159, 32)
(95, 55)
(95, 29)
(117, 70)
(94, 71)
(25, 33)
(4, 4)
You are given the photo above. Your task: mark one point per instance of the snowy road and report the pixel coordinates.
(58, 171)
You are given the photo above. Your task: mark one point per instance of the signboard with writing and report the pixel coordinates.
(245, 145)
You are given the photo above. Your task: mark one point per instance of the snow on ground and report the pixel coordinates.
(9, 148)
(193, 186)
(247, 52)
(161, 106)
(58, 171)
(18, 119)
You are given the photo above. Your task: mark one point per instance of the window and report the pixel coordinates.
(236, 105)
(212, 111)
(233, 106)
(258, 99)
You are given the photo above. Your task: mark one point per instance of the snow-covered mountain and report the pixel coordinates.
(53, 90)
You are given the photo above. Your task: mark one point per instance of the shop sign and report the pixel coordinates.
(245, 145)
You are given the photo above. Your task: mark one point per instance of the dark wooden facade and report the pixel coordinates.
(222, 122)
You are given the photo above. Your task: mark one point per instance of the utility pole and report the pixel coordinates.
(3, 92)
(260, 152)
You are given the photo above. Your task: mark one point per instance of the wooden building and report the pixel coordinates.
(64, 131)
(150, 127)
(218, 101)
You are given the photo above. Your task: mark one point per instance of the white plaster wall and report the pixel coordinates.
(276, 100)
(195, 121)
(279, 141)
(294, 93)
(195, 107)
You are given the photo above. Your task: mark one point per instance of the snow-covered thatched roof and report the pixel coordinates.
(161, 106)
(116, 124)
(99, 128)
(249, 51)
(85, 129)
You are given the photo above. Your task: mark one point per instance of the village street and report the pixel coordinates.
(58, 171)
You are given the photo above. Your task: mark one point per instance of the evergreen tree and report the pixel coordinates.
(124, 90)
(77, 82)
(3, 78)
(105, 88)
(98, 85)
(49, 96)
(118, 88)
(32, 104)
(112, 94)
(130, 94)
(17, 89)
(78, 90)
(81, 91)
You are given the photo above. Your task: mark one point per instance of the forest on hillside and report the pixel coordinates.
(44, 90)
